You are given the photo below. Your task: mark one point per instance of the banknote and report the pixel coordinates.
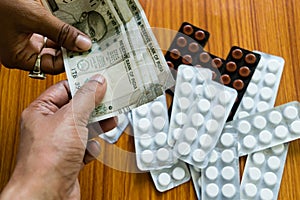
(124, 50)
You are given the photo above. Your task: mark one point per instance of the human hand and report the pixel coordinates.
(53, 142)
(24, 24)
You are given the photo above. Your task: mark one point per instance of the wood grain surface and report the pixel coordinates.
(271, 26)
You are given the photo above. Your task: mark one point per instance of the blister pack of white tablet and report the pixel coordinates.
(197, 180)
(150, 128)
(220, 178)
(168, 178)
(209, 106)
(113, 135)
(263, 88)
(269, 128)
(263, 173)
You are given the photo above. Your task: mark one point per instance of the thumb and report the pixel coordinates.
(86, 98)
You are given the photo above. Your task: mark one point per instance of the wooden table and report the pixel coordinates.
(268, 26)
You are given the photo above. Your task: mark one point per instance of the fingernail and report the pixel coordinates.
(93, 148)
(99, 78)
(83, 42)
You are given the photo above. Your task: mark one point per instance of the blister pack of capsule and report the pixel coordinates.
(208, 105)
(220, 178)
(269, 128)
(263, 88)
(150, 128)
(168, 178)
(263, 172)
(113, 135)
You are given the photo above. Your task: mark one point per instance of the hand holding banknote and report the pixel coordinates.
(24, 24)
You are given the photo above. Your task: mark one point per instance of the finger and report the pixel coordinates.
(85, 99)
(52, 61)
(93, 150)
(108, 124)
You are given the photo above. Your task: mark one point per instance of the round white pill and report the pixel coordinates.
(274, 163)
(224, 97)
(176, 133)
(162, 154)
(121, 119)
(212, 190)
(142, 111)
(295, 126)
(259, 122)
(270, 79)
(147, 156)
(218, 112)
(266, 93)
(199, 182)
(275, 117)
(183, 148)
(198, 155)
(144, 124)
(262, 106)
(205, 141)
(258, 158)
(197, 119)
(273, 66)
(178, 173)
(180, 118)
(198, 91)
(186, 88)
(145, 140)
(261, 64)
(265, 137)
(210, 91)
(157, 108)
(190, 134)
(159, 123)
(183, 103)
(249, 142)
(281, 132)
(252, 89)
(242, 114)
(250, 190)
(266, 194)
(227, 139)
(160, 138)
(228, 173)
(248, 103)
(211, 126)
(254, 173)
(188, 74)
(228, 190)
(211, 173)
(290, 112)
(213, 157)
(112, 133)
(270, 179)
(203, 105)
(164, 179)
(227, 156)
(256, 76)
(203, 76)
(278, 150)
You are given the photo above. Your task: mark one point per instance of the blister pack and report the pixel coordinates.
(269, 128)
(168, 178)
(263, 87)
(150, 128)
(197, 180)
(113, 135)
(208, 104)
(263, 174)
(220, 178)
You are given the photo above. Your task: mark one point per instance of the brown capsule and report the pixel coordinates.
(175, 54)
(237, 54)
(225, 79)
(188, 29)
(194, 47)
(181, 41)
(187, 59)
(250, 58)
(214, 75)
(170, 64)
(200, 35)
(217, 62)
(244, 71)
(231, 66)
(238, 84)
(204, 57)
